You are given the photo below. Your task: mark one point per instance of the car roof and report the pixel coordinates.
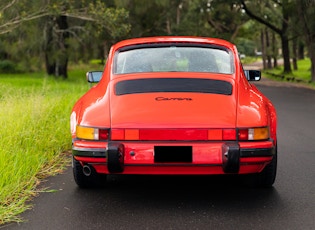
(170, 39)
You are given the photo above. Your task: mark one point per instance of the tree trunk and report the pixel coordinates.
(168, 26)
(286, 54)
(285, 39)
(62, 62)
(301, 51)
(274, 51)
(50, 67)
(294, 54)
(269, 66)
(311, 49)
(179, 7)
(56, 49)
(263, 48)
(308, 29)
(49, 47)
(312, 57)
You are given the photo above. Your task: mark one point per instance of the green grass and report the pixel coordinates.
(34, 121)
(248, 60)
(303, 74)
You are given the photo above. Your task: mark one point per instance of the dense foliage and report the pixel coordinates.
(47, 34)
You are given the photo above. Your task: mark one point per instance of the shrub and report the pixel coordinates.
(7, 66)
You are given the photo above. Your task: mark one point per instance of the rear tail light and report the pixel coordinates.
(254, 134)
(125, 134)
(229, 135)
(90, 133)
(241, 134)
(86, 133)
(190, 134)
(103, 134)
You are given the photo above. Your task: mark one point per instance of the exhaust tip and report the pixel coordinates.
(87, 171)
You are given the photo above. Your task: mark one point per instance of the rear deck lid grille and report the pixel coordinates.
(194, 85)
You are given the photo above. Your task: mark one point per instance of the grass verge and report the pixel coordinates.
(301, 75)
(34, 121)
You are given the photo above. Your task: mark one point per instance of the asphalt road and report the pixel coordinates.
(146, 202)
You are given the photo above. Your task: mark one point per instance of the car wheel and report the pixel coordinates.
(94, 180)
(266, 178)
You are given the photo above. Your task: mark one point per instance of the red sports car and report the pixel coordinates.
(174, 106)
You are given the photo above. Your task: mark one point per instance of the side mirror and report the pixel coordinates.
(252, 75)
(94, 76)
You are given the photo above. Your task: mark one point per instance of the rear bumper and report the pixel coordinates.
(206, 157)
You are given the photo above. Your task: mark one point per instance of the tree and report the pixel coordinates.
(226, 17)
(150, 18)
(60, 21)
(60, 28)
(281, 28)
(13, 13)
(17, 30)
(56, 45)
(306, 13)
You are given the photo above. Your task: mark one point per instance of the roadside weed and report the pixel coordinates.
(34, 123)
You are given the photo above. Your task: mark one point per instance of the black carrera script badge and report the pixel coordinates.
(173, 99)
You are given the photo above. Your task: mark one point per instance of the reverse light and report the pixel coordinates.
(89, 133)
(255, 134)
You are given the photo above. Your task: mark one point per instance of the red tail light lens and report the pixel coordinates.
(243, 134)
(117, 134)
(103, 134)
(229, 134)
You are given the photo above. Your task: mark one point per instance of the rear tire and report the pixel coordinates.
(95, 180)
(266, 178)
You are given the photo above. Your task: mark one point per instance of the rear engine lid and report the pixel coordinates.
(172, 103)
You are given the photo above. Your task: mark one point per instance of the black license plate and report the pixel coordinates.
(173, 154)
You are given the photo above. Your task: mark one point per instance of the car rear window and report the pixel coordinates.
(173, 58)
(150, 85)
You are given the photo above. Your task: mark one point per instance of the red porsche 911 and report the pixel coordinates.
(174, 106)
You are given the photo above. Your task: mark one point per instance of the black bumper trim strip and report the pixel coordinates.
(89, 153)
(257, 152)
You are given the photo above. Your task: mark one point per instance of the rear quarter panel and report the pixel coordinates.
(92, 109)
(255, 109)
